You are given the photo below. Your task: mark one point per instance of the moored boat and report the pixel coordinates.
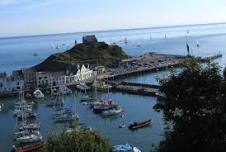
(38, 94)
(113, 111)
(125, 148)
(31, 147)
(142, 124)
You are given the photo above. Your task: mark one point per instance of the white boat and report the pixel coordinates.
(38, 94)
(114, 111)
(83, 87)
(125, 148)
(29, 138)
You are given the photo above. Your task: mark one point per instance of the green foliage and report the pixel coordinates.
(96, 53)
(79, 140)
(194, 109)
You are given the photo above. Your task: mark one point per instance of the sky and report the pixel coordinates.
(34, 17)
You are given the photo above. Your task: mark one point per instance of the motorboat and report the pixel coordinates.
(38, 94)
(29, 138)
(125, 148)
(83, 87)
(103, 105)
(113, 111)
(142, 124)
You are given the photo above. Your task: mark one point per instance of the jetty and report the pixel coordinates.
(136, 88)
(149, 62)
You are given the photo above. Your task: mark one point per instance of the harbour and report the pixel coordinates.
(136, 107)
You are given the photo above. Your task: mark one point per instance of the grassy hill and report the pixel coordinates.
(98, 53)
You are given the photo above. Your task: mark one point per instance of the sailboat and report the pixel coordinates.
(26, 132)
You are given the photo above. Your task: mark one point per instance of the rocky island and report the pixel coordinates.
(89, 52)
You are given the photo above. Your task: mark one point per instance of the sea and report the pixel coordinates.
(24, 52)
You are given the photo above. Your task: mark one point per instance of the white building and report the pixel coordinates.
(84, 74)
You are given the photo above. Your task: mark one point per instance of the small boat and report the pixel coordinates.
(38, 94)
(137, 125)
(31, 147)
(83, 87)
(122, 125)
(125, 148)
(114, 111)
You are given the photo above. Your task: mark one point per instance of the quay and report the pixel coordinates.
(149, 62)
(136, 88)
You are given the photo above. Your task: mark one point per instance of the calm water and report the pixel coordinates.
(18, 53)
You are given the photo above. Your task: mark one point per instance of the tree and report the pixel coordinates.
(194, 109)
(79, 140)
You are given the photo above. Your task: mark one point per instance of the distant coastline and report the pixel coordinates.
(113, 30)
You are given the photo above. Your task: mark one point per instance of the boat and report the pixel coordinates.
(26, 114)
(83, 87)
(114, 111)
(26, 132)
(62, 111)
(29, 126)
(31, 147)
(125, 148)
(102, 107)
(142, 124)
(38, 94)
(65, 117)
(122, 125)
(29, 138)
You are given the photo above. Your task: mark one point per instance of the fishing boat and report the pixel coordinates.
(38, 94)
(125, 148)
(113, 111)
(142, 124)
(31, 147)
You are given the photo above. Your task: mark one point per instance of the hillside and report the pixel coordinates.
(98, 53)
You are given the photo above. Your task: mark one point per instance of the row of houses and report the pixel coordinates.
(29, 79)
